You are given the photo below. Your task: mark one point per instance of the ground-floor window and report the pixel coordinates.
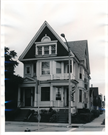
(45, 93)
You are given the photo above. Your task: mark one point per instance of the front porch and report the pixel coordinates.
(50, 93)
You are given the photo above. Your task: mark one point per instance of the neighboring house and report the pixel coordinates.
(46, 74)
(95, 98)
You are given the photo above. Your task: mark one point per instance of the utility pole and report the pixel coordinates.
(63, 35)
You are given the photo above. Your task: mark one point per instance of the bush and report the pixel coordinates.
(96, 113)
(54, 118)
(83, 110)
(82, 118)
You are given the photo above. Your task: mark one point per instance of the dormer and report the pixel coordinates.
(46, 47)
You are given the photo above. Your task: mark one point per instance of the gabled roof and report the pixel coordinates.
(79, 48)
(45, 24)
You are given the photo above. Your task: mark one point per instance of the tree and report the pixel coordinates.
(11, 81)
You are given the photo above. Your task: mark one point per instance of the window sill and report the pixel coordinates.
(46, 55)
(45, 75)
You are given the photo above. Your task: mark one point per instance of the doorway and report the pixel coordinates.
(27, 97)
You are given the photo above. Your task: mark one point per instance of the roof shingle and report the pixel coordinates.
(78, 48)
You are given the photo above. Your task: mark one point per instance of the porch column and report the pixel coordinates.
(18, 102)
(51, 95)
(35, 102)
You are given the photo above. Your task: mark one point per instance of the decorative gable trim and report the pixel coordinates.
(28, 79)
(37, 35)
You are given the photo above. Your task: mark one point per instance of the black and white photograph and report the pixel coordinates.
(54, 66)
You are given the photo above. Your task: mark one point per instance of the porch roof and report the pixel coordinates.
(60, 82)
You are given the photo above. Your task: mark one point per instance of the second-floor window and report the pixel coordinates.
(45, 68)
(58, 67)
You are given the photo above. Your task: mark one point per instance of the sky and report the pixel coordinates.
(79, 20)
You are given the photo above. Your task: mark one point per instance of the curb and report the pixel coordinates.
(103, 126)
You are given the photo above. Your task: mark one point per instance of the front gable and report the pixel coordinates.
(28, 80)
(45, 29)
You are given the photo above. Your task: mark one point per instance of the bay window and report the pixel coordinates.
(45, 68)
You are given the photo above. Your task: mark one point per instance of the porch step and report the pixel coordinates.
(63, 115)
(22, 115)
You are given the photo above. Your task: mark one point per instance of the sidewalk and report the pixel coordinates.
(96, 123)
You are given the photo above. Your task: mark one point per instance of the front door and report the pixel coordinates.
(27, 97)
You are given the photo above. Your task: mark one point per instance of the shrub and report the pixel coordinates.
(96, 113)
(82, 118)
(54, 118)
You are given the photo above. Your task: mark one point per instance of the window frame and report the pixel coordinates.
(38, 50)
(40, 44)
(58, 68)
(41, 68)
(46, 50)
(27, 67)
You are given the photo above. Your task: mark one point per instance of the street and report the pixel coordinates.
(21, 127)
(95, 125)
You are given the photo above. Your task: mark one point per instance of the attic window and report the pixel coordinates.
(53, 49)
(39, 50)
(46, 49)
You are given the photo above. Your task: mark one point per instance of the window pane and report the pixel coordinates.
(58, 67)
(45, 94)
(45, 68)
(28, 70)
(53, 49)
(39, 50)
(46, 49)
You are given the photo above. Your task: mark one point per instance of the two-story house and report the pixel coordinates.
(46, 71)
